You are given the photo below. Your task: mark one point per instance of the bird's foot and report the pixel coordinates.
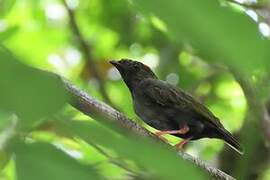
(180, 145)
(183, 130)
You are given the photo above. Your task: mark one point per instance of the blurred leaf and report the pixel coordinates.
(157, 159)
(4, 120)
(44, 43)
(8, 173)
(4, 159)
(30, 92)
(5, 6)
(45, 162)
(218, 33)
(8, 33)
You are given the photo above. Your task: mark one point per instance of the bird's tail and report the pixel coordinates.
(230, 140)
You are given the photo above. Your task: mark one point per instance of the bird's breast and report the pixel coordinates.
(152, 114)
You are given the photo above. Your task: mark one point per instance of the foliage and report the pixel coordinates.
(196, 45)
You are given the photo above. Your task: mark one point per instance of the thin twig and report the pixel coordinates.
(92, 107)
(86, 50)
(250, 93)
(114, 160)
(256, 105)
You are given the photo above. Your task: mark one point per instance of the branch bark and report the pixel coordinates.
(94, 108)
(249, 5)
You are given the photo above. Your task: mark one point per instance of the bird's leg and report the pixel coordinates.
(183, 130)
(182, 143)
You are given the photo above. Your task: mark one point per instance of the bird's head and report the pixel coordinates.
(133, 72)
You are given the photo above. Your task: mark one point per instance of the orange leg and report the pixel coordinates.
(183, 130)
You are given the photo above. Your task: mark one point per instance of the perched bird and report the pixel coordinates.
(168, 108)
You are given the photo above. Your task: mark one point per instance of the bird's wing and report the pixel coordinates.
(167, 95)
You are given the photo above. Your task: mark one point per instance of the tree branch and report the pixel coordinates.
(249, 5)
(86, 50)
(116, 161)
(94, 108)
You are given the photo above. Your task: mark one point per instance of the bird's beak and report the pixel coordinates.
(116, 64)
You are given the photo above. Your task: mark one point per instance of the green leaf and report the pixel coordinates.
(5, 6)
(4, 120)
(29, 92)
(45, 162)
(8, 33)
(217, 33)
(154, 157)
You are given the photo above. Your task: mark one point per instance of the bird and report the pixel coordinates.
(169, 109)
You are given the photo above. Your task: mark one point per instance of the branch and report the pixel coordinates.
(248, 5)
(85, 48)
(92, 107)
(115, 161)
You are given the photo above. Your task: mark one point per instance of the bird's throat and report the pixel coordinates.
(132, 83)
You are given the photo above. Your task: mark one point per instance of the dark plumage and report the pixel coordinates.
(170, 109)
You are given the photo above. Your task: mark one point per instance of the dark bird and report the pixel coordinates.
(168, 108)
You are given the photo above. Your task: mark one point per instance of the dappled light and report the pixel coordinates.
(71, 112)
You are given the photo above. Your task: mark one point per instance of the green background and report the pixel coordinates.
(217, 50)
